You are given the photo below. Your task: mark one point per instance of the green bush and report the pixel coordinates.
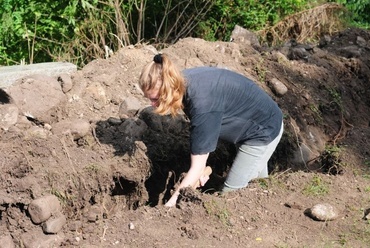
(359, 12)
(79, 31)
(31, 28)
(253, 15)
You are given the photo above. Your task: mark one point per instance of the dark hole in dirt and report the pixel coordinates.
(156, 187)
(123, 186)
(129, 189)
(92, 200)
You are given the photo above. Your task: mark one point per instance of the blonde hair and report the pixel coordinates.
(172, 88)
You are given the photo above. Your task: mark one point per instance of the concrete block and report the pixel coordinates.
(10, 74)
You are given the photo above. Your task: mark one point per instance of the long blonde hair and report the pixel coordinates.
(172, 89)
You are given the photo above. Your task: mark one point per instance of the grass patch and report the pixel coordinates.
(92, 168)
(367, 189)
(316, 187)
(359, 233)
(214, 208)
(263, 183)
(317, 113)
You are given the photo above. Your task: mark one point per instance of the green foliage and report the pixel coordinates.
(30, 29)
(316, 187)
(317, 113)
(253, 15)
(359, 12)
(79, 31)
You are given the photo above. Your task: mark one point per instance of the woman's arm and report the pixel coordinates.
(198, 164)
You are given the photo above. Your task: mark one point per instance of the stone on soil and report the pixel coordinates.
(36, 132)
(278, 87)
(54, 224)
(129, 107)
(240, 34)
(43, 208)
(367, 214)
(38, 97)
(37, 239)
(78, 128)
(323, 212)
(6, 241)
(8, 116)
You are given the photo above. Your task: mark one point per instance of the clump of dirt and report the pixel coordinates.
(112, 162)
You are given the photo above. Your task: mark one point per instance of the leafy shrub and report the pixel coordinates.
(79, 31)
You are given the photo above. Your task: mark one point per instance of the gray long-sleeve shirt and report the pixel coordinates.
(224, 104)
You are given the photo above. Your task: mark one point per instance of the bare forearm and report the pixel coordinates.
(198, 163)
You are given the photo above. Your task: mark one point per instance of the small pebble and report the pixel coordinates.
(131, 226)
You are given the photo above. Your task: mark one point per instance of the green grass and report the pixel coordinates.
(316, 187)
(214, 208)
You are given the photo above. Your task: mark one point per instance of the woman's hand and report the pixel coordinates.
(203, 178)
(192, 178)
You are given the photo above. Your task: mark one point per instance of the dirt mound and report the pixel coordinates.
(112, 163)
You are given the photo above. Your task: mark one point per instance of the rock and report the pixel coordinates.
(367, 214)
(350, 51)
(36, 132)
(322, 212)
(8, 116)
(280, 57)
(299, 51)
(114, 121)
(361, 41)
(129, 107)
(324, 41)
(131, 226)
(278, 87)
(11, 74)
(5, 198)
(78, 128)
(54, 224)
(97, 92)
(38, 97)
(240, 34)
(37, 239)
(75, 226)
(43, 208)
(93, 213)
(6, 241)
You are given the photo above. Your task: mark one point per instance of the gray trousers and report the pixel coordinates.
(250, 163)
